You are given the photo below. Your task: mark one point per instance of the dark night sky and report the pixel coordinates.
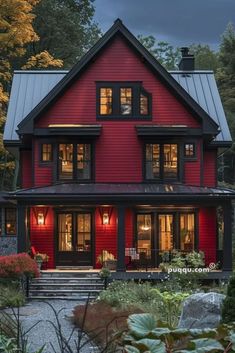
(180, 22)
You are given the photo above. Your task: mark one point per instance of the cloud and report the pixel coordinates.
(181, 22)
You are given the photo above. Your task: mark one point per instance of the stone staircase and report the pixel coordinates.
(66, 285)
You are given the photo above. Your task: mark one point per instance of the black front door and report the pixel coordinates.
(74, 239)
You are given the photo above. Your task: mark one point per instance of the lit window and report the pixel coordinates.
(126, 101)
(161, 161)
(144, 104)
(46, 152)
(10, 221)
(106, 98)
(66, 161)
(187, 231)
(189, 150)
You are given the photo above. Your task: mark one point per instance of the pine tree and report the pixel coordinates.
(228, 310)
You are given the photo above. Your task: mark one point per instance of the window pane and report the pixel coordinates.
(187, 231)
(144, 232)
(126, 101)
(65, 161)
(84, 232)
(170, 161)
(0, 221)
(83, 161)
(106, 97)
(189, 150)
(10, 221)
(166, 232)
(46, 152)
(143, 104)
(65, 232)
(152, 161)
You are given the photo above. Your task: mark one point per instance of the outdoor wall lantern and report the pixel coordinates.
(40, 215)
(105, 215)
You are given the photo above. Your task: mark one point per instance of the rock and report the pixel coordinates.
(201, 310)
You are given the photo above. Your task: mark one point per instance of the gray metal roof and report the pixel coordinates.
(30, 87)
(201, 86)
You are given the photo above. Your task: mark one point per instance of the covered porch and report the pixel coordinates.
(138, 224)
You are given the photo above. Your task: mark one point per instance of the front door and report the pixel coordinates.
(74, 239)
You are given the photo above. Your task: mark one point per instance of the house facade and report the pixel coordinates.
(119, 155)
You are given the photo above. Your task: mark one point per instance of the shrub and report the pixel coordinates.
(16, 266)
(228, 310)
(11, 296)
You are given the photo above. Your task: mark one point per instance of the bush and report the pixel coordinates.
(16, 266)
(11, 296)
(228, 310)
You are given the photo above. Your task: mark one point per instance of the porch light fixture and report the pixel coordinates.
(105, 215)
(40, 214)
(146, 226)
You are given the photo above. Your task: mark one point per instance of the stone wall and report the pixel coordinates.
(8, 245)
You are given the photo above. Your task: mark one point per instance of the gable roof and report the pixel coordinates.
(31, 87)
(209, 125)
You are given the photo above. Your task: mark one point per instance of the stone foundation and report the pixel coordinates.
(8, 245)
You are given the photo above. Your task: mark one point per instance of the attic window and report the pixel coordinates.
(123, 100)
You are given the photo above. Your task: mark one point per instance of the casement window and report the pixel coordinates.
(122, 100)
(74, 161)
(46, 152)
(189, 150)
(161, 161)
(10, 221)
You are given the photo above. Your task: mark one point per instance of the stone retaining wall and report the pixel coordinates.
(8, 245)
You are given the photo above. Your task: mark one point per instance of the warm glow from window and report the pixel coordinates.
(126, 101)
(106, 99)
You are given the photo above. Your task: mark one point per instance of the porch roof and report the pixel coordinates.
(118, 192)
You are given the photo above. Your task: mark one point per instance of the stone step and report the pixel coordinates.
(77, 298)
(68, 279)
(48, 274)
(63, 293)
(61, 286)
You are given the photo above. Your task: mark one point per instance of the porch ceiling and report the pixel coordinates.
(118, 192)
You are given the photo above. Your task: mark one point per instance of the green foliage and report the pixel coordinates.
(147, 335)
(7, 345)
(11, 294)
(205, 58)
(228, 310)
(165, 53)
(104, 273)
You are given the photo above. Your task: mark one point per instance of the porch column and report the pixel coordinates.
(121, 239)
(227, 246)
(21, 229)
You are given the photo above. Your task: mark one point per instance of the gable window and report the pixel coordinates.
(189, 150)
(74, 161)
(161, 161)
(10, 221)
(106, 99)
(122, 100)
(46, 152)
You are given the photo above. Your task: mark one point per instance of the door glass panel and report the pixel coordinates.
(144, 231)
(166, 232)
(187, 231)
(65, 232)
(84, 232)
(66, 161)
(83, 161)
(170, 161)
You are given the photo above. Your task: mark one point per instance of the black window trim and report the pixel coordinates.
(161, 178)
(137, 88)
(5, 222)
(74, 178)
(194, 156)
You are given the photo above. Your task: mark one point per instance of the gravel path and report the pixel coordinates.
(43, 332)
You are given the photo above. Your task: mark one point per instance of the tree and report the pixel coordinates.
(205, 58)
(165, 53)
(66, 29)
(16, 31)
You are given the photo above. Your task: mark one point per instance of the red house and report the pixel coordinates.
(119, 155)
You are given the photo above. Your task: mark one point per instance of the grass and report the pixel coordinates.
(11, 294)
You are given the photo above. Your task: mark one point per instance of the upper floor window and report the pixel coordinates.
(161, 161)
(189, 150)
(122, 100)
(74, 161)
(46, 152)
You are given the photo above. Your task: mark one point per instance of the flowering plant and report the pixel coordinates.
(41, 257)
(15, 266)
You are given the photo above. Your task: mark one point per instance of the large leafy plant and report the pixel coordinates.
(145, 335)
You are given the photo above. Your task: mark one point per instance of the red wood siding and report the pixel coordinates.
(42, 236)
(207, 233)
(105, 235)
(118, 150)
(42, 172)
(209, 168)
(26, 169)
(192, 175)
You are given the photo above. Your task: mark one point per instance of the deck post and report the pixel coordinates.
(227, 245)
(22, 229)
(121, 267)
